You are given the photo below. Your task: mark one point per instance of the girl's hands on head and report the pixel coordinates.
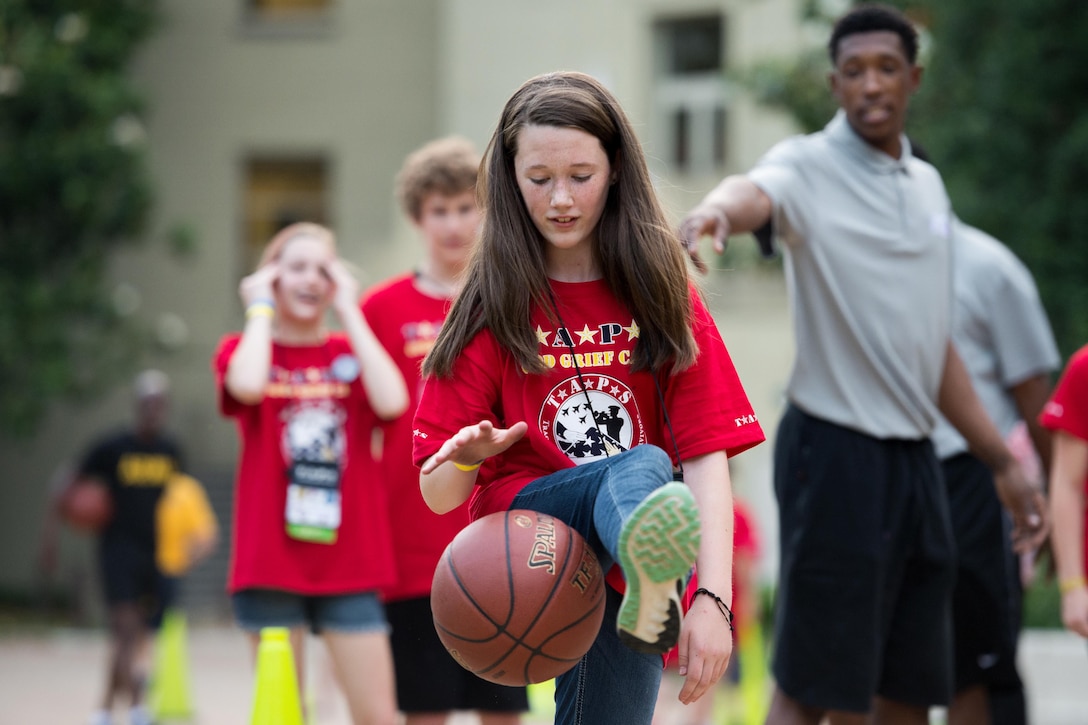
(345, 287)
(260, 285)
(474, 443)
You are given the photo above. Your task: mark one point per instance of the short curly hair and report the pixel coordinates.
(870, 18)
(447, 166)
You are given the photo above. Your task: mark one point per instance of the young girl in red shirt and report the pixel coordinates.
(576, 369)
(311, 544)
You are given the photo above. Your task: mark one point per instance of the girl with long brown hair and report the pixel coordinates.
(577, 369)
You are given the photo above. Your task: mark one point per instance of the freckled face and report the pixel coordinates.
(303, 286)
(564, 175)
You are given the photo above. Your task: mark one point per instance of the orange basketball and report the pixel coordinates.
(87, 505)
(518, 597)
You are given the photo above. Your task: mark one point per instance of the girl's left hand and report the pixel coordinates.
(260, 285)
(345, 287)
(705, 646)
(475, 443)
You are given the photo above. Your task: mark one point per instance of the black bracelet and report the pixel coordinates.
(726, 611)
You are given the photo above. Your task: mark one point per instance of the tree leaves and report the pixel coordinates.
(73, 186)
(1004, 113)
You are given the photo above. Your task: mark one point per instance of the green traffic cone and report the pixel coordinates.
(276, 698)
(754, 682)
(169, 698)
(542, 700)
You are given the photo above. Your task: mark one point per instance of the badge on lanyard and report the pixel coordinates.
(313, 501)
(314, 438)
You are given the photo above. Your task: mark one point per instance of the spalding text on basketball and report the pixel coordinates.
(542, 554)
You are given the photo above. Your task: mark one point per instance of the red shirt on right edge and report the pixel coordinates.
(1067, 409)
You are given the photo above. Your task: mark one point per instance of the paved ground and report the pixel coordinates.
(53, 678)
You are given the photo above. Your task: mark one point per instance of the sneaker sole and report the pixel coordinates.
(657, 549)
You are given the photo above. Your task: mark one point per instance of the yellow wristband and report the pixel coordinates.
(466, 469)
(260, 309)
(1072, 584)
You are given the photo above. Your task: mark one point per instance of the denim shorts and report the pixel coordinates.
(255, 609)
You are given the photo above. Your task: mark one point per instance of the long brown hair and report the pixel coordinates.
(641, 259)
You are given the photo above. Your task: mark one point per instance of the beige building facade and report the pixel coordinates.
(261, 113)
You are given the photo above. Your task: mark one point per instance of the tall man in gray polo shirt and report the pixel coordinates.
(863, 611)
(1002, 333)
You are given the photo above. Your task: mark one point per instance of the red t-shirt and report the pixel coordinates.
(745, 544)
(406, 321)
(707, 406)
(314, 415)
(1067, 410)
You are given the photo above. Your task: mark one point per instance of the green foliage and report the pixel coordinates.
(798, 86)
(1042, 600)
(1003, 113)
(73, 186)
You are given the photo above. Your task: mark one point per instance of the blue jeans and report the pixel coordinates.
(611, 684)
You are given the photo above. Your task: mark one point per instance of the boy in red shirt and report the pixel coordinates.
(436, 188)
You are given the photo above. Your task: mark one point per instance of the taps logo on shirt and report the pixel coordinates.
(313, 431)
(419, 337)
(593, 422)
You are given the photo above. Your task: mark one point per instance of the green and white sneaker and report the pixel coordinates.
(657, 549)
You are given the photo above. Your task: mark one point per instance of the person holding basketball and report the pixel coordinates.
(576, 371)
(436, 188)
(311, 544)
(863, 625)
(135, 465)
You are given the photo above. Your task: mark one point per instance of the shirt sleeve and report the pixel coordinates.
(1023, 340)
(775, 173)
(707, 406)
(229, 406)
(99, 462)
(1067, 409)
(447, 404)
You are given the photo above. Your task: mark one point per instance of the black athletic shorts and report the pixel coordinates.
(130, 574)
(864, 601)
(986, 602)
(428, 678)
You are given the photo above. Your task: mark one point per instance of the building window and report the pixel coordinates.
(288, 9)
(691, 92)
(287, 17)
(279, 192)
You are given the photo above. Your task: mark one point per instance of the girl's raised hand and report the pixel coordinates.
(475, 443)
(260, 285)
(345, 287)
